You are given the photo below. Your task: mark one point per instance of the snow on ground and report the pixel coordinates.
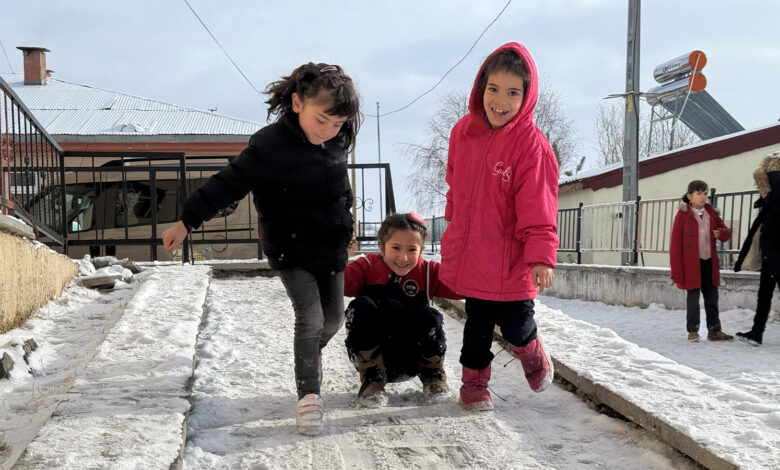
(242, 413)
(244, 402)
(739, 425)
(753, 369)
(68, 331)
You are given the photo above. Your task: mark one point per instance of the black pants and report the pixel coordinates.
(710, 293)
(515, 318)
(766, 288)
(404, 334)
(318, 302)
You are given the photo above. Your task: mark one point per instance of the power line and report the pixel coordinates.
(6, 57)
(223, 49)
(451, 68)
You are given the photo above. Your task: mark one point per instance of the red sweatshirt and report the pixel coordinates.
(370, 276)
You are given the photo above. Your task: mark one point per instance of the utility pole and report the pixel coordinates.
(379, 157)
(631, 131)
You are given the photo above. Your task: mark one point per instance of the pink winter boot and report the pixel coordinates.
(474, 395)
(537, 364)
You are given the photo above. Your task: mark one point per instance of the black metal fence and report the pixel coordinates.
(116, 202)
(31, 169)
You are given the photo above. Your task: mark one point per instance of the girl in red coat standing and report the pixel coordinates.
(694, 259)
(502, 204)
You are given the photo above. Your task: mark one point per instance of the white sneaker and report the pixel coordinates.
(308, 415)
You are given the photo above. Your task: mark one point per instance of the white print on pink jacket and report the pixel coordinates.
(506, 174)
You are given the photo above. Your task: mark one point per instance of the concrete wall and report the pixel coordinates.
(30, 274)
(635, 286)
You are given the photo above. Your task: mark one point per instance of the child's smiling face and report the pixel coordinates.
(401, 250)
(503, 97)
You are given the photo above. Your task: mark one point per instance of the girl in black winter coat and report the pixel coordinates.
(767, 225)
(297, 170)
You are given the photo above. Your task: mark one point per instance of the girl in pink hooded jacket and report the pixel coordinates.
(502, 204)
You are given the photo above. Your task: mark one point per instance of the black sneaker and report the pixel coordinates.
(753, 338)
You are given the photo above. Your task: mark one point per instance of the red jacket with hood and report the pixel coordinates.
(502, 202)
(684, 247)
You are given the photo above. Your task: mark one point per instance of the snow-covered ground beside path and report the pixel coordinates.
(753, 369)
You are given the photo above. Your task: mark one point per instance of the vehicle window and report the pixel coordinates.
(135, 204)
(81, 211)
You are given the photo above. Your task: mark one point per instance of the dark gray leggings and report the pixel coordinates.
(318, 302)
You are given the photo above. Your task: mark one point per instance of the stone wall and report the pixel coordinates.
(30, 273)
(642, 286)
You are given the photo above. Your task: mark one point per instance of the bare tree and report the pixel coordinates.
(559, 130)
(667, 133)
(609, 132)
(429, 159)
(609, 123)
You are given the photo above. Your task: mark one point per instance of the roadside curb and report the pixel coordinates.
(602, 395)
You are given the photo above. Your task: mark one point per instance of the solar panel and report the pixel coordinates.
(702, 114)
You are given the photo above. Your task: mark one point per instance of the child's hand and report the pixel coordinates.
(542, 276)
(173, 236)
(716, 232)
(352, 242)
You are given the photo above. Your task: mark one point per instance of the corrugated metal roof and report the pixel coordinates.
(70, 109)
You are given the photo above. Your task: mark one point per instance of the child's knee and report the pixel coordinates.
(431, 336)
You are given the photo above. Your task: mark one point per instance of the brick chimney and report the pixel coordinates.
(34, 65)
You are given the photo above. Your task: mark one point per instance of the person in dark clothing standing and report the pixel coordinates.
(297, 170)
(766, 228)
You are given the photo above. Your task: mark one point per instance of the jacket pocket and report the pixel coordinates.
(507, 261)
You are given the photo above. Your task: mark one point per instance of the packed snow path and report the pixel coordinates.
(244, 399)
(112, 371)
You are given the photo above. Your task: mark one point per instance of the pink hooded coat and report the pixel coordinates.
(502, 204)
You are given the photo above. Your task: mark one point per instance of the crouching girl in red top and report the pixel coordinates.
(392, 332)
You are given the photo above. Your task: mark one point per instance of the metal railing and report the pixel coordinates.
(31, 169)
(601, 227)
(737, 212)
(653, 224)
(121, 199)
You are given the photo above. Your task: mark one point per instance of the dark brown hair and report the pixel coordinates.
(504, 61)
(693, 187)
(307, 81)
(400, 222)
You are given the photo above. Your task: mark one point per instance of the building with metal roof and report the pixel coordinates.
(84, 118)
(725, 163)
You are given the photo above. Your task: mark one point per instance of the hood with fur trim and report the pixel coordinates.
(685, 205)
(769, 164)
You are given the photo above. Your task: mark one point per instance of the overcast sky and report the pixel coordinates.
(395, 51)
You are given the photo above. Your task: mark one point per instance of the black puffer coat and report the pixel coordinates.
(302, 194)
(768, 221)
